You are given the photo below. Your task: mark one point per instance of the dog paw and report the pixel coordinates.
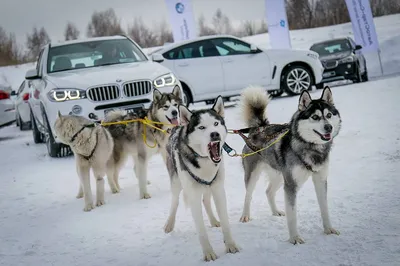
(100, 202)
(330, 231)
(231, 248)
(215, 223)
(145, 196)
(296, 240)
(278, 213)
(209, 255)
(79, 196)
(88, 207)
(245, 219)
(115, 190)
(169, 226)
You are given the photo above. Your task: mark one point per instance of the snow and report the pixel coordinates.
(42, 223)
(387, 28)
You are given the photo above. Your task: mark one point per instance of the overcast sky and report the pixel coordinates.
(20, 16)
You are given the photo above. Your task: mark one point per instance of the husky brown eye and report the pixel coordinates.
(315, 117)
(216, 124)
(329, 115)
(175, 104)
(201, 128)
(166, 107)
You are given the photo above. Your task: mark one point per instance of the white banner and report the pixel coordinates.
(182, 19)
(363, 24)
(278, 26)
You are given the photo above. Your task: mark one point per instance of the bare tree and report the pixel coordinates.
(204, 30)
(104, 23)
(36, 40)
(71, 32)
(141, 34)
(10, 52)
(221, 23)
(263, 27)
(165, 34)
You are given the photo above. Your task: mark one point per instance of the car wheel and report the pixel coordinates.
(365, 76)
(358, 77)
(296, 79)
(38, 137)
(186, 97)
(22, 125)
(54, 149)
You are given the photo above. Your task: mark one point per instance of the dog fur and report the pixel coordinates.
(196, 166)
(302, 152)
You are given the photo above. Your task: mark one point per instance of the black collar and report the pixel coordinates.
(305, 164)
(79, 131)
(196, 178)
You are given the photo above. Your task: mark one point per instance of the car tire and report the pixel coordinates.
(186, 97)
(364, 76)
(358, 77)
(54, 149)
(23, 125)
(38, 137)
(295, 80)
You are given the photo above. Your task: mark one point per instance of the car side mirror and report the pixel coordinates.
(31, 74)
(253, 48)
(157, 58)
(358, 47)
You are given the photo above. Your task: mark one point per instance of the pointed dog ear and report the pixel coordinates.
(304, 101)
(157, 95)
(184, 114)
(327, 95)
(218, 106)
(177, 92)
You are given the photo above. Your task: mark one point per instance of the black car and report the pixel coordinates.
(342, 59)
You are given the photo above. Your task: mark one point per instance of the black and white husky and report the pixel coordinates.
(196, 165)
(302, 152)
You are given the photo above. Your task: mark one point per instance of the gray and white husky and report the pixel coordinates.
(92, 146)
(128, 138)
(195, 164)
(302, 152)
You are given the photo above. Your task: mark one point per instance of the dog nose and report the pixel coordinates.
(215, 136)
(328, 128)
(174, 113)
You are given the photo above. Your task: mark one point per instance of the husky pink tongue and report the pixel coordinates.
(214, 151)
(174, 121)
(327, 136)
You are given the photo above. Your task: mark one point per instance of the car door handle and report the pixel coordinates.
(227, 60)
(183, 64)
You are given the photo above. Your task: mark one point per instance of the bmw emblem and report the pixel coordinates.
(118, 80)
(179, 7)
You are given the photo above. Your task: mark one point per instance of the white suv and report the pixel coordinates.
(89, 78)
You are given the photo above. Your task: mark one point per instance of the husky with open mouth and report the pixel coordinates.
(196, 166)
(302, 152)
(129, 141)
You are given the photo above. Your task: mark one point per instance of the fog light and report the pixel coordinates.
(348, 66)
(76, 109)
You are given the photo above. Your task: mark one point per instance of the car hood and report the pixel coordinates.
(88, 77)
(335, 56)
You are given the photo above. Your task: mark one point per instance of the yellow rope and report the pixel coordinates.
(244, 155)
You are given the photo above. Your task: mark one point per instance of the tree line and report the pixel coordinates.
(301, 14)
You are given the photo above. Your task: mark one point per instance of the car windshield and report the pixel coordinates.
(93, 54)
(331, 47)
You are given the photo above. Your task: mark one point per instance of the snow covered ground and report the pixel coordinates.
(42, 223)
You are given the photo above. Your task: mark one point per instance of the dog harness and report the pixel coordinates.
(196, 178)
(76, 135)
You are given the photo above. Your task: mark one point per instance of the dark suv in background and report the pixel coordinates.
(342, 60)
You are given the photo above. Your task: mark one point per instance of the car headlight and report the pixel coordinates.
(314, 56)
(165, 80)
(61, 95)
(348, 59)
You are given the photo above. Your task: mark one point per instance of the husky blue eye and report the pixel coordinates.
(315, 117)
(201, 127)
(216, 124)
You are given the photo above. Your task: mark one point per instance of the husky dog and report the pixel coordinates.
(92, 146)
(302, 152)
(195, 164)
(129, 141)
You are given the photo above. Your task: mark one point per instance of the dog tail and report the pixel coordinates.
(254, 101)
(114, 115)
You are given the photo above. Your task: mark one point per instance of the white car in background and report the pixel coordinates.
(7, 109)
(22, 109)
(89, 78)
(224, 65)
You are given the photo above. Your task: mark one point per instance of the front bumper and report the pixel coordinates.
(343, 71)
(96, 111)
